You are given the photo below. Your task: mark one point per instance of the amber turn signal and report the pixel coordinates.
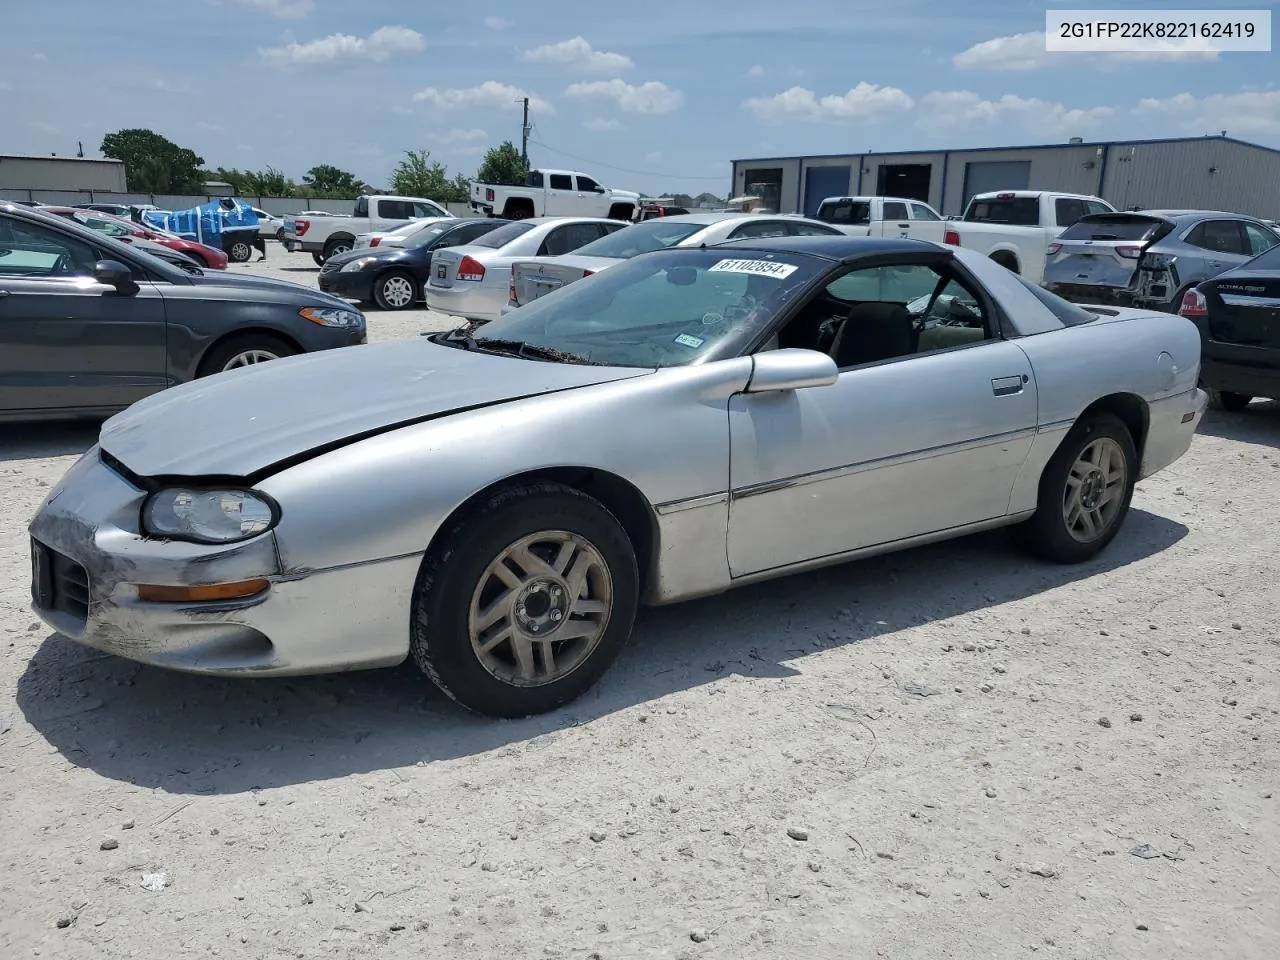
(205, 593)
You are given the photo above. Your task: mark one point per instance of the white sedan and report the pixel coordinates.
(473, 281)
(397, 237)
(533, 277)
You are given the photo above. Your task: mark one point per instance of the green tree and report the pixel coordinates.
(417, 175)
(152, 163)
(325, 178)
(503, 164)
(461, 186)
(268, 183)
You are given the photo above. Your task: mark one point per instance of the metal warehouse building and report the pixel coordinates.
(1212, 172)
(23, 173)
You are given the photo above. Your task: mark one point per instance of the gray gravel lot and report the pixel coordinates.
(987, 758)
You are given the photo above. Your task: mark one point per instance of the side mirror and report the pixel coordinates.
(113, 273)
(791, 369)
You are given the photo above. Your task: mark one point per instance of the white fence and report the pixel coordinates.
(277, 205)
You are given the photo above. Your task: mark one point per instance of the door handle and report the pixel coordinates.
(4, 293)
(904, 224)
(1008, 386)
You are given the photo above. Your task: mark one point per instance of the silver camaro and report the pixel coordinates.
(497, 502)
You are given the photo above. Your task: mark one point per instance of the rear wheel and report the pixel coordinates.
(395, 290)
(335, 247)
(239, 251)
(245, 351)
(1085, 492)
(1231, 402)
(525, 600)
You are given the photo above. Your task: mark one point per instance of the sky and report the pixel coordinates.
(657, 97)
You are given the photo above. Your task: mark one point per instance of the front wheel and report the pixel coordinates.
(244, 352)
(525, 601)
(1085, 492)
(1231, 402)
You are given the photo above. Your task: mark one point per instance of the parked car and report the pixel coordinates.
(126, 210)
(666, 430)
(1238, 315)
(122, 229)
(1015, 227)
(883, 217)
(88, 324)
(553, 193)
(474, 281)
(1150, 258)
(396, 237)
(649, 211)
(531, 278)
(394, 277)
(324, 237)
(269, 225)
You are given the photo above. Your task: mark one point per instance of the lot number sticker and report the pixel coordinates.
(759, 268)
(693, 343)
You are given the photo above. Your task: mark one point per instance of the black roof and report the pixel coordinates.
(835, 248)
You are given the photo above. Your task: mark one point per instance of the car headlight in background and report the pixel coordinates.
(332, 316)
(207, 516)
(356, 265)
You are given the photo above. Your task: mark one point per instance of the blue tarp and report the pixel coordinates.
(205, 223)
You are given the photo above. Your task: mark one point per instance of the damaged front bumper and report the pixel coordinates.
(89, 559)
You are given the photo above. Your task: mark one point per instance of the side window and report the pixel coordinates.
(1218, 236)
(1093, 206)
(1259, 240)
(587, 184)
(608, 228)
(811, 230)
(568, 238)
(561, 181)
(760, 228)
(469, 233)
(107, 227)
(395, 209)
(920, 212)
(421, 209)
(32, 250)
(1068, 210)
(535, 178)
(362, 207)
(895, 210)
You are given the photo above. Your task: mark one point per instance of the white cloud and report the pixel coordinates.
(1248, 112)
(381, 45)
(964, 108)
(40, 57)
(756, 71)
(280, 9)
(866, 101)
(166, 86)
(577, 53)
(208, 127)
(600, 124)
(653, 156)
(43, 126)
(489, 95)
(1026, 51)
(498, 23)
(651, 97)
(458, 135)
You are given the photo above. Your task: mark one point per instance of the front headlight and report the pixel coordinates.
(207, 516)
(332, 316)
(356, 265)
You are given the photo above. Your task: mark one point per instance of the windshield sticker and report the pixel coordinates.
(711, 319)
(759, 268)
(693, 343)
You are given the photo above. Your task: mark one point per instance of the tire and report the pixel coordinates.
(457, 574)
(280, 235)
(395, 290)
(1231, 402)
(335, 247)
(318, 258)
(239, 251)
(518, 212)
(1047, 534)
(244, 351)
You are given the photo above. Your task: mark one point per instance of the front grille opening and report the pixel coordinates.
(58, 583)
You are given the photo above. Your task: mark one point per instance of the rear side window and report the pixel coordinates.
(1116, 226)
(561, 181)
(1069, 313)
(505, 234)
(362, 207)
(854, 212)
(535, 178)
(1015, 211)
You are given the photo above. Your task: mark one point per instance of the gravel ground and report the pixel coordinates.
(949, 752)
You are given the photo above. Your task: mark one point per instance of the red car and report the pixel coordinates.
(119, 227)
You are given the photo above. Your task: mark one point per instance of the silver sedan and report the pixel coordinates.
(496, 503)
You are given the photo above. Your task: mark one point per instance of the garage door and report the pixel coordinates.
(995, 175)
(823, 182)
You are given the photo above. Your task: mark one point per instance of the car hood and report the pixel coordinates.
(250, 422)
(286, 289)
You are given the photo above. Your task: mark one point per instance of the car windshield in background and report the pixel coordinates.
(670, 308)
(504, 234)
(426, 235)
(641, 238)
(1264, 262)
(1016, 211)
(854, 212)
(1113, 226)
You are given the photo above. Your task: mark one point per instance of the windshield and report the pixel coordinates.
(426, 234)
(1264, 262)
(1016, 211)
(404, 228)
(503, 235)
(1112, 226)
(669, 308)
(641, 238)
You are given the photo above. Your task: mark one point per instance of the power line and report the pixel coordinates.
(609, 166)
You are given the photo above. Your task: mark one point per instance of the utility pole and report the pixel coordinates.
(524, 132)
(80, 145)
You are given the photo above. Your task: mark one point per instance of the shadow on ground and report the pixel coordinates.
(54, 439)
(1258, 423)
(202, 735)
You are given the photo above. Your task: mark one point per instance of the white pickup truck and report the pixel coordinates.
(324, 237)
(553, 193)
(1014, 227)
(882, 217)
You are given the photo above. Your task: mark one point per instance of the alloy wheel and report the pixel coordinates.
(247, 358)
(1095, 490)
